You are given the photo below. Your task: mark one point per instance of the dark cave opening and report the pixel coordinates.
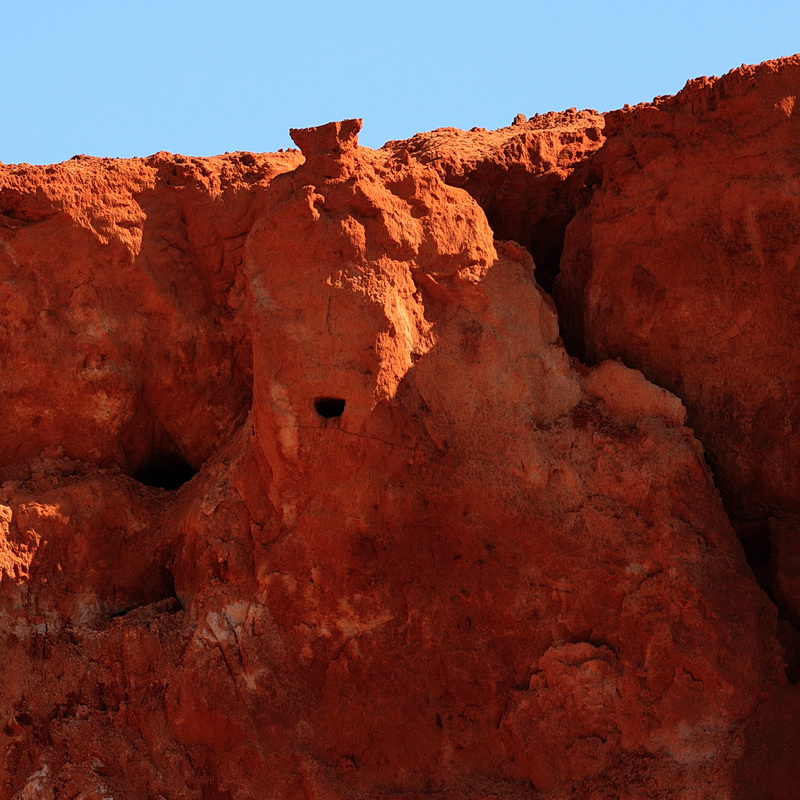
(167, 471)
(755, 540)
(329, 407)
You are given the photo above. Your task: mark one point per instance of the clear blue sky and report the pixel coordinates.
(118, 78)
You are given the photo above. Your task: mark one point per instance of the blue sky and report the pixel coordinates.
(120, 78)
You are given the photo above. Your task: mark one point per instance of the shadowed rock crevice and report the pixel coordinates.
(528, 178)
(165, 470)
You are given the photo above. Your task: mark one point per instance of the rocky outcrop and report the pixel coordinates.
(523, 176)
(303, 497)
(432, 556)
(684, 264)
(122, 295)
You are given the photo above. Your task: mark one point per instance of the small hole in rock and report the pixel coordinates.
(329, 407)
(165, 471)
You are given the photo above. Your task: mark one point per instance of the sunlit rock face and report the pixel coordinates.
(304, 498)
(528, 177)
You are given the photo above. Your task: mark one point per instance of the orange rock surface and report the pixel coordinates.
(684, 265)
(523, 176)
(302, 497)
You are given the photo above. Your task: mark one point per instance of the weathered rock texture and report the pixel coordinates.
(685, 265)
(422, 552)
(522, 176)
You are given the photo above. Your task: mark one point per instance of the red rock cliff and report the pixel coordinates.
(303, 496)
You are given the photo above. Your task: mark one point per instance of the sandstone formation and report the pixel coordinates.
(302, 497)
(684, 264)
(523, 176)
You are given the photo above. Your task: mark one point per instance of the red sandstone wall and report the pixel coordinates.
(498, 573)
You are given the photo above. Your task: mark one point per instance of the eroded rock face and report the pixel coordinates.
(684, 265)
(425, 553)
(528, 177)
(121, 295)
